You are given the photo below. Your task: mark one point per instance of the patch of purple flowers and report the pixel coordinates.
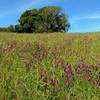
(68, 70)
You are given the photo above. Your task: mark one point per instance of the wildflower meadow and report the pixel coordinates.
(60, 66)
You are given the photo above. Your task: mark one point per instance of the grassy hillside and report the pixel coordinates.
(50, 66)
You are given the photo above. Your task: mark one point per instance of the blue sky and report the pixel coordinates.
(84, 15)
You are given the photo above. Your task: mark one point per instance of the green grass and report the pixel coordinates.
(50, 66)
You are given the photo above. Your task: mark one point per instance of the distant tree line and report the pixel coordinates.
(46, 19)
(11, 28)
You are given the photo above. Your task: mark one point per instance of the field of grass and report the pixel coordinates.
(50, 66)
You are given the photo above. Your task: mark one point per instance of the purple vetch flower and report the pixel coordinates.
(97, 65)
(79, 66)
(68, 70)
(9, 47)
(59, 62)
(54, 81)
(78, 69)
(85, 67)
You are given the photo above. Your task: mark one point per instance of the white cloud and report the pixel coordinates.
(87, 17)
(94, 16)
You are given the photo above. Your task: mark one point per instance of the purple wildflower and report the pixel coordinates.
(68, 70)
(85, 67)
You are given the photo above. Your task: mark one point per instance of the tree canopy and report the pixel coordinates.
(46, 19)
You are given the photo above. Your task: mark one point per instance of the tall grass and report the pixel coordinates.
(50, 66)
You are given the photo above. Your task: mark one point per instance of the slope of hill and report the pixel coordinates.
(50, 66)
